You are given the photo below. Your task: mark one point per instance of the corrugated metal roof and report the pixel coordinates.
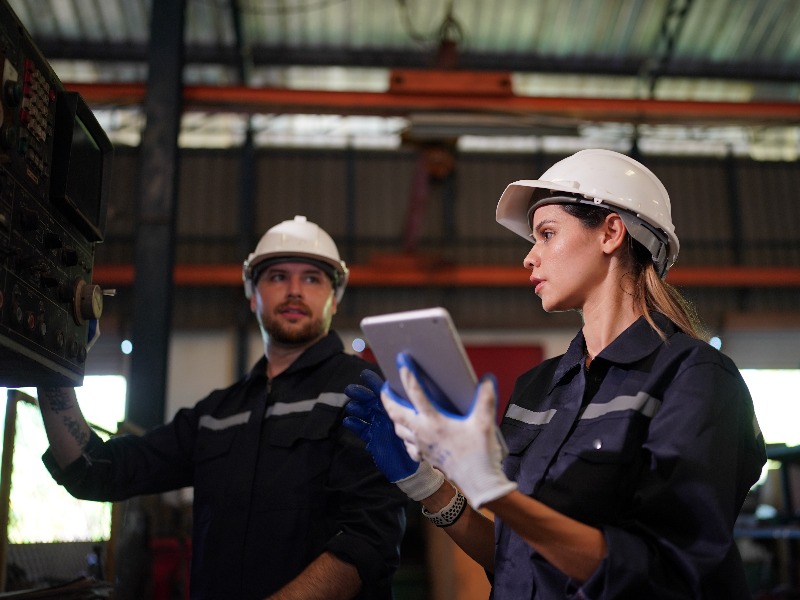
(742, 39)
(720, 50)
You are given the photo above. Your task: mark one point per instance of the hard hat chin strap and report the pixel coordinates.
(652, 239)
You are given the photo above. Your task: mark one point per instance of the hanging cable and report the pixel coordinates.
(671, 27)
(449, 30)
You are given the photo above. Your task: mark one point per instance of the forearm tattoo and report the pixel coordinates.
(56, 399)
(59, 400)
(78, 433)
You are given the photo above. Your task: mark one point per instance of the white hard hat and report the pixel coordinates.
(603, 178)
(296, 240)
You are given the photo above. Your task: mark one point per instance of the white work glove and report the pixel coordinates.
(468, 449)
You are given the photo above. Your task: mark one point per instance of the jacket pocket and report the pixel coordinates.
(518, 438)
(602, 460)
(213, 461)
(610, 440)
(297, 457)
(317, 424)
(214, 444)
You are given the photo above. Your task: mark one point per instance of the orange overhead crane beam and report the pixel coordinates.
(437, 90)
(453, 91)
(382, 275)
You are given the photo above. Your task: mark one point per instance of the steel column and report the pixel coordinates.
(156, 213)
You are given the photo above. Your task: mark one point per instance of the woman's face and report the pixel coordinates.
(566, 261)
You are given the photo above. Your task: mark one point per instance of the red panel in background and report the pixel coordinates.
(172, 557)
(506, 363)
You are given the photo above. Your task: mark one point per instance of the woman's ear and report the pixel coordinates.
(614, 231)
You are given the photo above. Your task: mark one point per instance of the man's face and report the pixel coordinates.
(294, 303)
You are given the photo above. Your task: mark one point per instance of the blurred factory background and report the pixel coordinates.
(396, 125)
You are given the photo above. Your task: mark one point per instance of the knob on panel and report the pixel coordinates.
(87, 302)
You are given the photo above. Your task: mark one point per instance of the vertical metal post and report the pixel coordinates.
(247, 178)
(247, 216)
(737, 226)
(449, 200)
(735, 203)
(156, 212)
(351, 190)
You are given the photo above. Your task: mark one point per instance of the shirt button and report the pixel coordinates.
(597, 444)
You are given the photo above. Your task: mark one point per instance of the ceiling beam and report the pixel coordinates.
(377, 275)
(280, 100)
(408, 58)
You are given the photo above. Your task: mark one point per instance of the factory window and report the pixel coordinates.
(40, 510)
(775, 399)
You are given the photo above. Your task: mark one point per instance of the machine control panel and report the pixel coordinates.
(49, 225)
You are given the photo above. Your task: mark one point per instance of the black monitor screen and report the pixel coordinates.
(81, 164)
(85, 174)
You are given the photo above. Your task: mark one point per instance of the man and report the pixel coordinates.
(287, 502)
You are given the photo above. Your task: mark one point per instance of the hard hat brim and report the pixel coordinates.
(330, 266)
(518, 202)
(327, 268)
(514, 203)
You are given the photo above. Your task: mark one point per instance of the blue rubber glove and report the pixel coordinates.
(367, 418)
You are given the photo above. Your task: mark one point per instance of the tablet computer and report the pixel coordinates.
(429, 336)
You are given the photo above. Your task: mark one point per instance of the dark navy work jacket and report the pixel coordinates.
(277, 479)
(657, 445)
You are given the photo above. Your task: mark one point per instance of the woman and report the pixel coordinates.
(626, 460)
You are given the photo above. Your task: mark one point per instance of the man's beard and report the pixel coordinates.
(289, 334)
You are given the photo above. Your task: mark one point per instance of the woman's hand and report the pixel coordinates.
(468, 449)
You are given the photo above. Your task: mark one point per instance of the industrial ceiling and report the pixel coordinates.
(682, 76)
(691, 77)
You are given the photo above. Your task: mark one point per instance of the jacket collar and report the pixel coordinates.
(632, 345)
(325, 348)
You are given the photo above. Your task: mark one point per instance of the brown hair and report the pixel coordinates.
(651, 293)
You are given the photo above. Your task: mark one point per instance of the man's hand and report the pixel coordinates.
(368, 419)
(468, 449)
